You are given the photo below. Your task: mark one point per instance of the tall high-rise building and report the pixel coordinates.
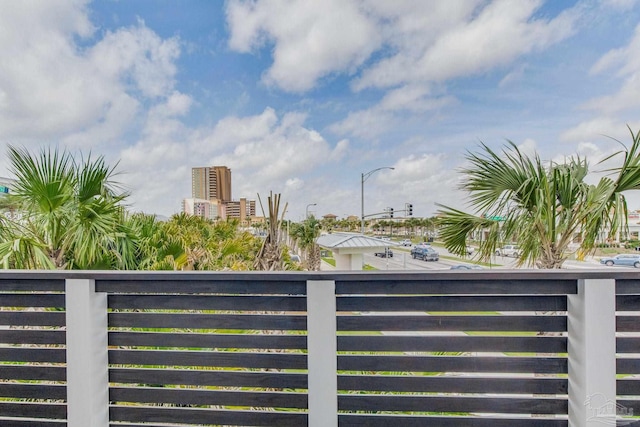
(211, 196)
(211, 183)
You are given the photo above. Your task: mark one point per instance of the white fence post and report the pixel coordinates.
(592, 353)
(87, 355)
(322, 356)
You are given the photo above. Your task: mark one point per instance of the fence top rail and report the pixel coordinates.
(398, 275)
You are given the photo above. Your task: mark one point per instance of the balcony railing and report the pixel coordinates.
(507, 348)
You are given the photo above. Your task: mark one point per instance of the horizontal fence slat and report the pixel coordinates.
(453, 344)
(628, 407)
(33, 391)
(209, 321)
(452, 323)
(32, 423)
(31, 300)
(208, 358)
(32, 318)
(627, 287)
(452, 303)
(276, 380)
(493, 405)
(433, 421)
(26, 336)
(452, 384)
(33, 372)
(30, 354)
(628, 344)
(32, 285)
(257, 286)
(208, 416)
(156, 339)
(208, 302)
(628, 387)
(627, 323)
(208, 397)
(627, 366)
(548, 365)
(33, 410)
(627, 302)
(470, 287)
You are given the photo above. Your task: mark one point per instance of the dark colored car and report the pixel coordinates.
(425, 253)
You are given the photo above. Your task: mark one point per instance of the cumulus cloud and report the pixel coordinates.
(279, 152)
(427, 46)
(310, 39)
(619, 4)
(493, 36)
(445, 40)
(52, 89)
(373, 121)
(421, 179)
(625, 64)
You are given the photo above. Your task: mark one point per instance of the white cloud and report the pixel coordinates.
(587, 130)
(443, 40)
(53, 89)
(421, 180)
(528, 147)
(294, 184)
(494, 35)
(275, 154)
(619, 4)
(625, 64)
(311, 39)
(364, 123)
(412, 99)
(140, 56)
(513, 76)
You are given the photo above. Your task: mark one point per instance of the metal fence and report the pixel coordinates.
(489, 348)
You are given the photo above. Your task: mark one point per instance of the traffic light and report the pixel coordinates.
(409, 209)
(390, 212)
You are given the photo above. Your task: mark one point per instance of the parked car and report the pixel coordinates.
(387, 253)
(425, 253)
(470, 250)
(622, 259)
(406, 242)
(508, 250)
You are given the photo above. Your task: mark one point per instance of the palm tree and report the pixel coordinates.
(70, 213)
(270, 256)
(188, 242)
(305, 234)
(542, 207)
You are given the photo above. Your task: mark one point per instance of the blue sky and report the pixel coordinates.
(300, 97)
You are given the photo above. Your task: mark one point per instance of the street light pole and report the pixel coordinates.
(364, 177)
(306, 211)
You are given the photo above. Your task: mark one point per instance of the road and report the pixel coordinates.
(402, 260)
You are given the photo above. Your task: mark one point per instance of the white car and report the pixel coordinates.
(406, 242)
(508, 250)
